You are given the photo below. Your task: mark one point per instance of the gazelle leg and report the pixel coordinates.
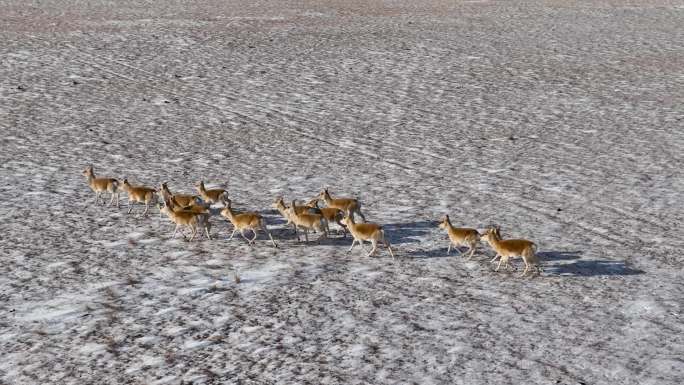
(389, 248)
(352, 246)
(242, 232)
(374, 248)
(306, 235)
(255, 235)
(147, 208)
(130, 207)
(472, 250)
(499, 265)
(175, 231)
(324, 233)
(449, 249)
(525, 271)
(361, 244)
(233, 234)
(207, 227)
(193, 232)
(527, 268)
(495, 258)
(269, 235)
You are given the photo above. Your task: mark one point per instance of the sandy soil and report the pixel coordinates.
(559, 121)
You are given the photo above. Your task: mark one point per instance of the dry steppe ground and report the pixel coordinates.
(560, 121)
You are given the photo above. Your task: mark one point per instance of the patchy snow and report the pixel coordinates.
(559, 121)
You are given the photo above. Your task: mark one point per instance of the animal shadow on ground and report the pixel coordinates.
(409, 232)
(558, 255)
(592, 268)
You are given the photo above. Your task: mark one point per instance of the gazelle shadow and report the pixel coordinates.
(408, 232)
(592, 268)
(559, 255)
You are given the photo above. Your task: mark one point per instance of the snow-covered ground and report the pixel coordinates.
(560, 121)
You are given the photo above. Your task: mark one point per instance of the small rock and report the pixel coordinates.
(21, 88)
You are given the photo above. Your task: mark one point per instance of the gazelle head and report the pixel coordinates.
(347, 220)
(444, 223)
(291, 209)
(324, 194)
(491, 234)
(279, 203)
(88, 171)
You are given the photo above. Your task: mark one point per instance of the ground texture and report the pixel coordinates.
(562, 122)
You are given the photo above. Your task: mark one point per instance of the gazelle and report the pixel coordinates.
(331, 214)
(348, 205)
(367, 232)
(505, 249)
(102, 185)
(245, 221)
(279, 204)
(179, 199)
(460, 236)
(139, 194)
(307, 221)
(213, 195)
(186, 218)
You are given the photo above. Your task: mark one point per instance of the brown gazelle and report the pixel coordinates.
(331, 214)
(102, 185)
(366, 232)
(179, 199)
(279, 204)
(307, 221)
(186, 218)
(245, 221)
(212, 196)
(348, 205)
(139, 194)
(460, 236)
(505, 249)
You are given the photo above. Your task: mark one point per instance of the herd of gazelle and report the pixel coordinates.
(193, 212)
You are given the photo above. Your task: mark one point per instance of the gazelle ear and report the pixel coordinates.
(447, 217)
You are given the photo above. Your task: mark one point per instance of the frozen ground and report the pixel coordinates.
(559, 121)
